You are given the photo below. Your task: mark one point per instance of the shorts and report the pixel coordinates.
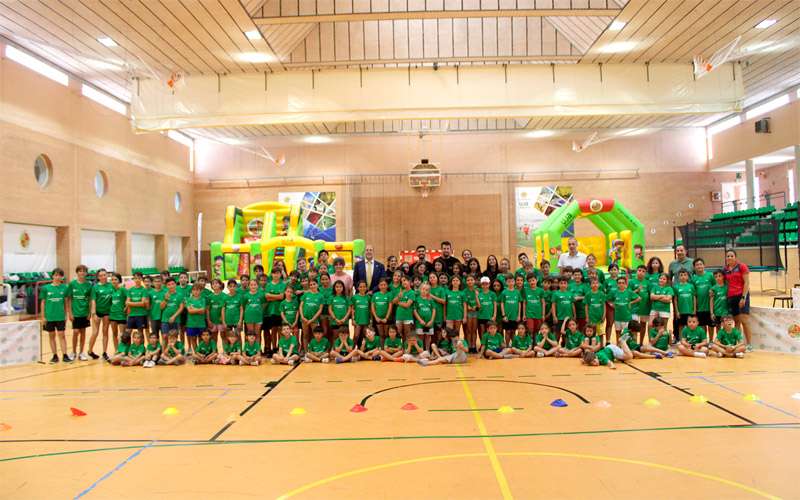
(422, 331)
(184, 316)
(167, 326)
(137, 322)
(704, 317)
(620, 325)
(404, 322)
(101, 315)
(271, 321)
(80, 323)
(717, 322)
(472, 314)
(733, 305)
(617, 350)
(155, 325)
(659, 314)
(682, 321)
(51, 326)
(509, 325)
(194, 332)
(457, 357)
(483, 322)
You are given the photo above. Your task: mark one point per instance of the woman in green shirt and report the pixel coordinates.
(100, 307)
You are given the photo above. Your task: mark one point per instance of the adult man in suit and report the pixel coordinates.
(369, 270)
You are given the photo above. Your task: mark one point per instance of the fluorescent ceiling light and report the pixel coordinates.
(757, 46)
(537, 134)
(616, 47)
(255, 57)
(318, 139)
(724, 125)
(104, 99)
(253, 34)
(617, 25)
(230, 141)
(37, 65)
(767, 106)
(632, 131)
(766, 160)
(766, 23)
(180, 138)
(108, 42)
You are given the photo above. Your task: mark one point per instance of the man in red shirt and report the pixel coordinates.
(737, 276)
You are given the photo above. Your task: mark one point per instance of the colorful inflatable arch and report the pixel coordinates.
(609, 216)
(263, 232)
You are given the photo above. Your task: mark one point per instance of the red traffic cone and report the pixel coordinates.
(77, 413)
(409, 406)
(358, 408)
(4, 426)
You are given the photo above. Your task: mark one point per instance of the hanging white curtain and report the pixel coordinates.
(143, 250)
(175, 251)
(99, 250)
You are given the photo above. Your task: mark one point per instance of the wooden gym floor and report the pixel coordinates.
(234, 435)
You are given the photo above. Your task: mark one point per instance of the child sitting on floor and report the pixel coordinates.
(522, 343)
(729, 340)
(546, 342)
(591, 340)
(414, 349)
(173, 351)
(694, 340)
(492, 344)
(287, 348)
(573, 339)
(205, 352)
(252, 350)
(343, 347)
(232, 350)
(153, 351)
(122, 349)
(318, 348)
(371, 345)
(392, 346)
(136, 350)
(659, 339)
(450, 350)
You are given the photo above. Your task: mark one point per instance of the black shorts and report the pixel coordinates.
(271, 321)
(510, 325)
(681, 322)
(155, 325)
(704, 317)
(80, 323)
(101, 315)
(137, 322)
(733, 305)
(483, 322)
(51, 326)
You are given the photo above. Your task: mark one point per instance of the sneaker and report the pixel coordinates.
(700, 355)
(93, 355)
(273, 361)
(749, 348)
(290, 362)
(658, 355)
(54, 359)
(325, 360)
(539, 354)
(739, 354)
(306, 359)
(719, 354)
(423, 362)
(105, 357)
(670, 354)
(339, 359)
(508, 356)
(83, 357)
(254, 363)
(72, 357)
(66, 359)
(146, 364)
(376, 357)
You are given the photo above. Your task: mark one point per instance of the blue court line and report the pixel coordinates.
(781, 410)
(115, 469)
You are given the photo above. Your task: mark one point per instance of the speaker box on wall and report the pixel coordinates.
(762, 126)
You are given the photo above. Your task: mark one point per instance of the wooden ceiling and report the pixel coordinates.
(157, 37)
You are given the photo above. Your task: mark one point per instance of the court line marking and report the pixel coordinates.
(657, 377)
(502, 482)
(761, 402)
(173, 443)
(49, 372)
(602, 458)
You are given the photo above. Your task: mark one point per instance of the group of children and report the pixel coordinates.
(413, 316)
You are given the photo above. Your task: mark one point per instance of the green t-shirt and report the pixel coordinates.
(370, 345)
(455, 305)
(563, 301)
(233, 309)
(117, 312)
(174, 302)
(154, 347)
(156, 296)
(232, 348)
(340, 304)
(424, 309)
(511, 300)
(136, 350)
(522, 342)
(274, 306)
(319, 346)
(720, 300)
(196, 320)
(405, 313)
(137, 294)
(172, 352)
(729, 338)
(642, 289)
(685, 294)
(101, 295)
(284, 343)
(312, 303)
(216, 304)
(123, 348)
(578, 290)
(632, 344)
(382, 301)
(622, 304)
(574, 339)
(254, 307)
(54, 300)
(392, 343)
(702, 285)
(533, 303)
(184, 290)
(289, 310)
(662, 343)
(471, 298)
(657, 305)
(605, 355)
(415, 348)
(551, 337)
(81, 295)
(441, 293)
(492, 342)
(487, 300)
(596, 302)
(694, 336)
(343, 347)
(206, 348)
(548, 302)
(611, 285)
(252, 348)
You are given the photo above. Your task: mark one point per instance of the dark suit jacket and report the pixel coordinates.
(360, 274)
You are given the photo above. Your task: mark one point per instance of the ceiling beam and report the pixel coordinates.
(437, 14)
(432, 60)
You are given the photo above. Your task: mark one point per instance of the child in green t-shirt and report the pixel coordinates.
(729, 341)
(610, 353)
(392, 346)
(360, 305)
(492, 344)
(251, 351)
(563, 306)
(136, 350)
(546, 342)
(404, 302)
(658, 340)
(319, 347)
(370, 348)
(153, 351)
(173, 350)
(415, 349)
(424, 316)
(522, 343)
(718, 302)
(694, 339)
(206, 351)
(622, 300)
(122, 349)
(381, 307)
(52, 304)
(685, 301)
(451, 349)
(573, 339)
(287, 348)
(595, 304)
(231, 349)
(591, 340)
(312, 304)
(344, 350)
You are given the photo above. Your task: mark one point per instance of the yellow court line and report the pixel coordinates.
(601, 458)
(502, 482)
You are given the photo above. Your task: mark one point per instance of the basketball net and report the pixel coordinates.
(703, 66)
(424, 189)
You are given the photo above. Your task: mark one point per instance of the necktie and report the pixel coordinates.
(369, 274)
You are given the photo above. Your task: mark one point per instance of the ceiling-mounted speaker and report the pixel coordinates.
(762, 126)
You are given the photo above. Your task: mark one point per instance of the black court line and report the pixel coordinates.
(366, 398)
(270, 387)
(32, 375)
(657, 376)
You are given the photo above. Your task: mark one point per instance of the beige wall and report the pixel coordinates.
(79, 136)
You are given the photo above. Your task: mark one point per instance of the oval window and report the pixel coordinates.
(100, 183)
(43, 170)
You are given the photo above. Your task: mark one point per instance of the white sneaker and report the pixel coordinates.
(719, 354)
(739, 354)
(272, 360)
(699, 355)
(539, 354)
(72, 356)
(325, 360)
(306, 359)
(147, 364)
(749, 348)
(83, 357)
(290, 362)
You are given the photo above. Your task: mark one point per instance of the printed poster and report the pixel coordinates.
(317, 213)
(534, 204)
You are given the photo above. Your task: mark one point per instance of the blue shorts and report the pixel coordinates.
(498, 350)
(137, 322)
(166, 326)
(194, 332)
